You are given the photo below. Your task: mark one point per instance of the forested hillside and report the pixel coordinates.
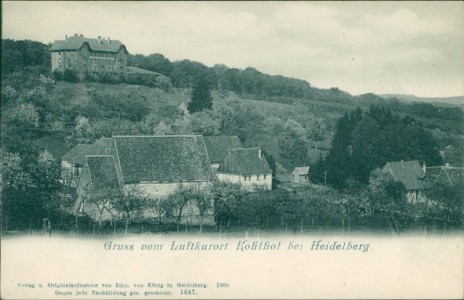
(43, 116)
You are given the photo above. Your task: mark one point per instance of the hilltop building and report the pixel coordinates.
(89, 56)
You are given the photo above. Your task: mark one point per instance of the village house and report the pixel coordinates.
(300, 175)
(86, 55)
(155, 166)
(247, 167)
(412, 175)
(73, 161)
(217, 147)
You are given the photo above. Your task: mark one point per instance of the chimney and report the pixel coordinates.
(81, 35)
(99, 39)
(259, 153)
(66, 37)
(447, 165)
(75, 34)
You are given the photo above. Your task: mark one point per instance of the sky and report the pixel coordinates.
(414, 48)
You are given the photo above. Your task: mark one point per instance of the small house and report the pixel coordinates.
(247, 167)
(412, 175)
(300, 175)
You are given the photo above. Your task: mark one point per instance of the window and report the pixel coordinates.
(257, 177)
(265, 176)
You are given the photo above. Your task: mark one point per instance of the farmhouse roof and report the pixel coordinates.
(217, 146)
(99, 147)
(244, 161)
(162, 158)
(448, 174)
(410, 173)
(75, 151)
(77, 41)
(102, 172)
(301, 170)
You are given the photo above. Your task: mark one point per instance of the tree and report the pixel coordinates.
(46, 178)
(227, 200)
(389, 198)
(201, 97)
(449, 198)
(159, 207)
(179, 200)
(203, 201)
(129, 205)
(204, 123)
(83, 131)
(293, 146)
(24, 116)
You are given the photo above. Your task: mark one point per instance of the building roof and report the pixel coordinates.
(99, 147)
(77, 41)
(217, 146)
(245, 161)
(448, 174)
(162, 158)
(301, 170)
(75, 151)
(410, 173)
(136, 70)
(102, 172)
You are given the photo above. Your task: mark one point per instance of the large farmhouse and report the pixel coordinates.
(247, 167)
(155, 166)
(92, 56)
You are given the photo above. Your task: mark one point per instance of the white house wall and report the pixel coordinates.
(250, 182)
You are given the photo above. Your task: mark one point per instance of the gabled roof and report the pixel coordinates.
(410, 173)
(448, 174)
(245, 161)
(102, 172)
(217, 146)
(162, 158)
(301, 170)
(97, 148)
(75, 151)
(77, 41)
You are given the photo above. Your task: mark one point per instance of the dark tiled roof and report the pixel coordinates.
(410, 173)
(97, 148)
(301, 170)
(162, 158)
(75, 151)
(75, 43)
(217, 146)
(246, 161)
(102, 171)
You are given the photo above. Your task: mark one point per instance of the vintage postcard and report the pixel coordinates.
(232, 150)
